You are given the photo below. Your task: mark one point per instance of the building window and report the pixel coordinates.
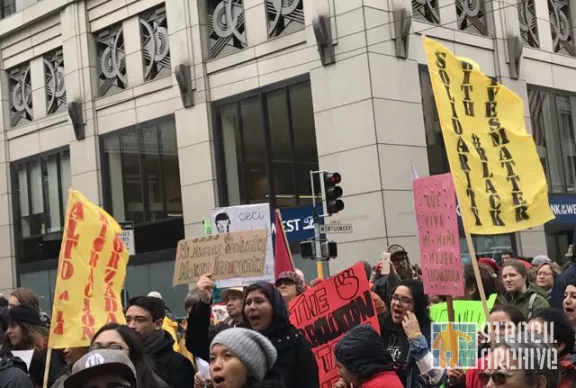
(54, 78)
(472, 16)
(155, 45)
(528, 23)
(426, 10)
(142, 173)
(561, 27)
(111, 60)
(553, 117)
(20, 96)
(284, 17)
(268, 142)
(41, 190)
(437, 157)
(226, 26)
(7, 8)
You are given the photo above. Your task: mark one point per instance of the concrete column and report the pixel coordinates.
(81, 86)
(195, 143)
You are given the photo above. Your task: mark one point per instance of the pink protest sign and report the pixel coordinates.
(435, 205)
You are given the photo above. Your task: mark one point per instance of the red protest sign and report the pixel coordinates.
(435, 205)
(324, 313)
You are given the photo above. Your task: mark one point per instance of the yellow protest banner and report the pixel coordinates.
(499, 180)
(91, 272)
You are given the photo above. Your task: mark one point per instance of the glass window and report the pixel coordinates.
(269, 146)
(142, 172)
(41, 187)
(437, 157)
(553, 123)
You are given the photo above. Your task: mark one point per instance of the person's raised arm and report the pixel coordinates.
(197, 339)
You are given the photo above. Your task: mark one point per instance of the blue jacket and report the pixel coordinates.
(418, 350)
(557, 294)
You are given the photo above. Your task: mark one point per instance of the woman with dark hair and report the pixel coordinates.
(28, 297)
(518, 291)
(265, 312)
(13, 371)
(406, 334)
(121, 337)
(27, 332)
(488, 277)
(363, 360)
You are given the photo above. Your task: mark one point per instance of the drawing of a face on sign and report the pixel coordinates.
(222, 223)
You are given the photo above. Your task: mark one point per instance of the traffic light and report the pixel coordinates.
(332, 192)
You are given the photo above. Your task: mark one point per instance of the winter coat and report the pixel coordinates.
(557, 294)
(170, 325)
(383, 379)
(13, 374)
(567, 378)
(38, 364)
(522, 300)
(172, 367)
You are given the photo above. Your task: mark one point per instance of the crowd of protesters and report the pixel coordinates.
(255, 345)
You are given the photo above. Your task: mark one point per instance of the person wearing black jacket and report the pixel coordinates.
(145, 315)
(266, 312)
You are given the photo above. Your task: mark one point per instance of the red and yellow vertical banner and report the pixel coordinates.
(91, 273)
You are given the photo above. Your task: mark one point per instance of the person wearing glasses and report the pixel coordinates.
(530, 363)
(406, 333)
(121, 338)
(103, 368)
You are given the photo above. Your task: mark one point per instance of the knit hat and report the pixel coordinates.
(25, 314)
(98, 362)
(293, 276)
(254, 350)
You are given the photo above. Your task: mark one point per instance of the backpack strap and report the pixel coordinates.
(531, 304)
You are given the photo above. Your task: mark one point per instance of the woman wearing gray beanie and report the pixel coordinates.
(240, 358)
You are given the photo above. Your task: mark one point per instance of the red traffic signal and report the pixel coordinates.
(332, 193)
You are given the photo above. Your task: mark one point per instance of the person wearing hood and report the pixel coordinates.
(363, 360)
(517, 290)
(13, 371)
(406, 334)
(290, 285)
(27, 332)
(241, 358)
(145, 315)
(265, 312)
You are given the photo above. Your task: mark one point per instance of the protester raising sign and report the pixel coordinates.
(91, 272)
(327, 311)
(225, 256)
(435, 204)
(498, 175)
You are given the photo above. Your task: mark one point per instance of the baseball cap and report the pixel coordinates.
(226, 293)
(99, 362)
(395, 248)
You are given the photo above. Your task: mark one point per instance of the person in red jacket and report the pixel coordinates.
(363, 360)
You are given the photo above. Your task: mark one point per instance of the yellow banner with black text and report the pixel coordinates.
(499, 180)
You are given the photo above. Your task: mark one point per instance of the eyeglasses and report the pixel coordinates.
(401, 299)
(111, 346)
(499, 377)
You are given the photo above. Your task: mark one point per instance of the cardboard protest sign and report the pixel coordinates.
(326, 312)
(91, 273)
(435, 205)
(498, 174)
(245, 217)
(464, 311)
(225, 256)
